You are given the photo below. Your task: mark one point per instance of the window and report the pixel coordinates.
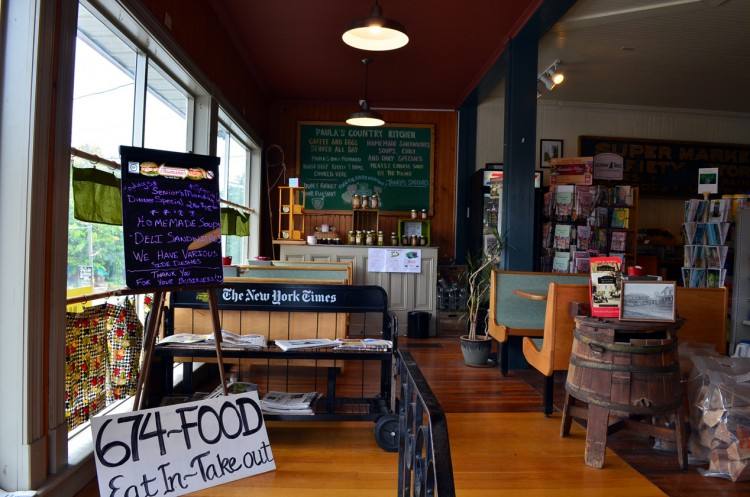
(234, 186)
(166, 113)
(103, 116)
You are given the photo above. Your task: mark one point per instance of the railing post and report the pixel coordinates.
(424, 459)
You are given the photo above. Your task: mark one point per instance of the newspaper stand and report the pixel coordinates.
(271, 297)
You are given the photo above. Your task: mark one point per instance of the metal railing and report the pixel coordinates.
(424, 454)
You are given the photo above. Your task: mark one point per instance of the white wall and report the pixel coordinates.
(568, 120)
(490, 131)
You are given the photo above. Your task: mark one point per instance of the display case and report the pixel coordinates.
(416, 227)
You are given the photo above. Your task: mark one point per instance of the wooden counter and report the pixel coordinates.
(406, 292)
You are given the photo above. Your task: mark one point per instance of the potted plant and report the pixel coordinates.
(476, 346)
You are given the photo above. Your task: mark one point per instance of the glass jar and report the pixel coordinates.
(414, 241)
(381, 239)
(394, 239)
(350, 239)
(369, 238)
(404, 240)
(374, 201)
(365, 202)
(358, 237)
(424, 213)
(356, 201)
(414, 213)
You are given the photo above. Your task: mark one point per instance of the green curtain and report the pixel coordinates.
(96, 199)
(234, 222)
(96, 196)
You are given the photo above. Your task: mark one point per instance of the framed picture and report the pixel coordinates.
(648, 301)
(548, 150)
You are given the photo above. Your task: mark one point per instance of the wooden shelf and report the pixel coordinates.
(289, 242)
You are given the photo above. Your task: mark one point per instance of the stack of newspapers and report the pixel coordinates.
(228, 339)
(299, 404)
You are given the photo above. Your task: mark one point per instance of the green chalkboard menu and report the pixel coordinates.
(335, 161)
(170, 219)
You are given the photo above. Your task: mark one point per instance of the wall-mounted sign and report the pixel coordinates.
(664, 167)
(335, 161)
(708, 180)
(608, 166)
(182, 448)
(170, 219)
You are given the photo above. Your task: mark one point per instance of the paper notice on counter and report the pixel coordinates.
(394, 260)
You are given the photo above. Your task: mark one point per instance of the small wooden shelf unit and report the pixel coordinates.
(291, 213)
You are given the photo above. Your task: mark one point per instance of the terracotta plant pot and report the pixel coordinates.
(476, 352)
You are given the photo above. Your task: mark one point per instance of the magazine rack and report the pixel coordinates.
(295, 298)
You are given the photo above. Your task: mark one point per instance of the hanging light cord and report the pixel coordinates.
(365, 105)
(281, 177)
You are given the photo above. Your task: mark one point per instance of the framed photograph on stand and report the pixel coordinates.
(648, 301)
(548, 150)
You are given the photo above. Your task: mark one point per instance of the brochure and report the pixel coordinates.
(605, 286)
(562, 236)
(620, 217)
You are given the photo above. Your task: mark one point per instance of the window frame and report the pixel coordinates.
(132, 24)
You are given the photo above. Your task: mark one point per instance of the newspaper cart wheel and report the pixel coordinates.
(386, 432)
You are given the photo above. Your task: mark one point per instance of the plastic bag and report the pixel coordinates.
(719, 396)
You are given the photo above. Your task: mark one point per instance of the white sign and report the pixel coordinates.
(394, 260)
(178, 449)
(608, 166)
(708, 180)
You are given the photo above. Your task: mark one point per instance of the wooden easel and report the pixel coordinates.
(152, 329)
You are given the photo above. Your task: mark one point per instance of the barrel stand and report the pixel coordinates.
(624, 375)
(600, 423)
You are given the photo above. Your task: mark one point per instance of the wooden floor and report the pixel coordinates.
(501, 442)
(494, 454)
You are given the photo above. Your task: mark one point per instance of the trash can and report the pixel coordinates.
(418, 324)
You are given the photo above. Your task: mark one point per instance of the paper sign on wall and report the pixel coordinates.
(178, 449)
(394, 260)
(708, 180)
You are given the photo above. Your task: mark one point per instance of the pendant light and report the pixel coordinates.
(376, 33)
(364, 116)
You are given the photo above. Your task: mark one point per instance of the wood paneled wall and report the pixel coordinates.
(282, 130)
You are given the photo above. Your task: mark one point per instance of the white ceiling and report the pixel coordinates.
(678, 53)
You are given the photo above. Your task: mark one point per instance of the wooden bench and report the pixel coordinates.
(705, 313)
(309, 273)
(554, 353)
(513, 314)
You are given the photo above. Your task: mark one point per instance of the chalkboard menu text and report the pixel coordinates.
(336, 161)
(170, 219)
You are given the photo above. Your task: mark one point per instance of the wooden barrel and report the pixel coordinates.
(625, 366)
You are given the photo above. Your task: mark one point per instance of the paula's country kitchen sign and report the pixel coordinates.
(670, 168)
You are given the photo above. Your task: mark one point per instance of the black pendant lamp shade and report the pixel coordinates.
(364, 116)
(376, 33)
